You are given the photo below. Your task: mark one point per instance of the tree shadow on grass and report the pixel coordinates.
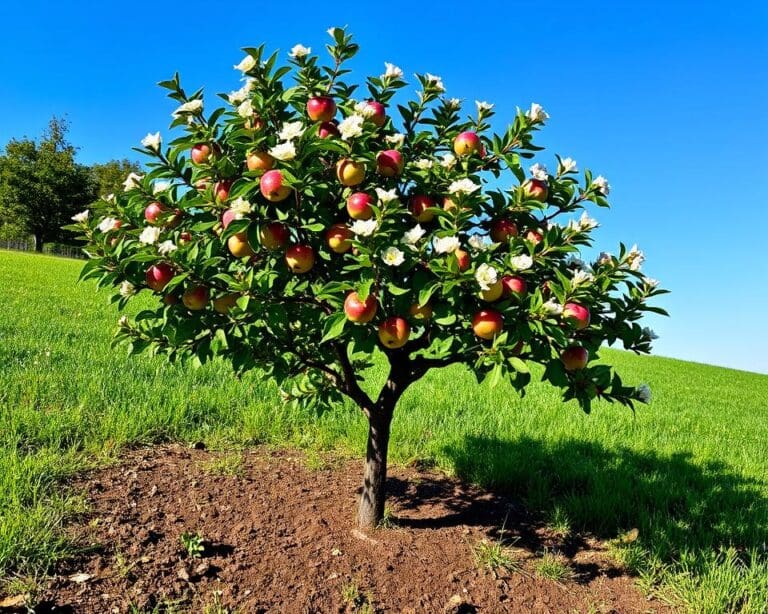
(675, 504)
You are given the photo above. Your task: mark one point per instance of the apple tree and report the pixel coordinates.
(306, 225)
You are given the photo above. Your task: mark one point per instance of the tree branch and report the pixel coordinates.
(351, 387)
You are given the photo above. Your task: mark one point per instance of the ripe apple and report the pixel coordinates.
(378, 112)
(259, 161)
(195, 298)
(238, 245)
(534, 236)
(389, 162)
(394, 332)
(221, 190)
(202, 153)
(153, 212)
(423, 312)
(170, 299)
(185, 238)
(300, 258)
(158, 276)
(514, 286)
(273, 186)
(462, 257)
(420, 202)
(466, 144)
(349, 172)
(225, 302)
(339, 238)
(576, 314)
(359, 206)
(487, 323)
(574, 358)
(228, 217)
(321, 108)
(328, 130)
(255, 123)
(360, 311)
(493, 293)
(201, 185)
(536, 189)
(274, 235)
(502, 230)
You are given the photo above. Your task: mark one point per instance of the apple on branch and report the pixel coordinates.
(487, 323)
(349, 172)
(195, 298)
(339, 238)
(274, 236)
(321, 108)
(574, 358)
(394, 332)
(300, 258)
(273, 187)
(359, 311)
(158, 276)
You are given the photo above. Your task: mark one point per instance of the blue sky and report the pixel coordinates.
(668, 100)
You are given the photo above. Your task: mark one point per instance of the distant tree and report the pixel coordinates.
(42, 186)
(111, 175)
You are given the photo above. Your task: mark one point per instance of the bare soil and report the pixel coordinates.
(278, 536)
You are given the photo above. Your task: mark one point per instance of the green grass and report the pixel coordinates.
(690, 471)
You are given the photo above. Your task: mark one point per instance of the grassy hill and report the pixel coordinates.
(689, 471)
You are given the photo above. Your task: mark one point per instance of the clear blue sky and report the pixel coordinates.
(668, 100)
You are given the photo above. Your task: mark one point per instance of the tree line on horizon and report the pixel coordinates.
(42, 185)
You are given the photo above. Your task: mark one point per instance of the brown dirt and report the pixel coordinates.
(279, 537)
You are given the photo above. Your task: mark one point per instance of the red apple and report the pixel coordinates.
(574, 358)
(534, 236)
(273, 186)
(503, 230)
(225, 302)
(514, 286)
(221, 190)
(300, 258)
(487, 323)
(184, 238)
(321, 108)
(274, 235)
(378, 112)
(493, 293)
(349, 172)
(158, 276)
(389, 162)
(359, 206)
(462, 257)
(536, 189)
(228, 217)
(254, 123)
(328, 130)
(339, 238)
(195, 298)
(420, 202)
(466, 144)
(360, 311)
(420, 312)
(238, 245)
(153, 212)
(394, 332)
(259, 161)
(202, 153)
(576, 314)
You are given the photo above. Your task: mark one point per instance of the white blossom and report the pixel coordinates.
(567, 165)
(299, 51)
(539, 171)
(581, 277)
(191, 107)
(364, 109)
(445, 245)
(552, 307)
(132, 181)
(364, 228)
(454, 103)
(290, 131)
(166, 247)
(482, 106)
(435, 81)
(479, 243)
(521, 262)
(635, 258)
(160, 186)
(127, 289)
(605, 258)
(392, 256)
(486, 276)
(586, 222)
(386, 196)
(123, 321)
(240, 95)
(247, 64)
(602, 185)
(240, 207)
(649, 333)
(110, 198)
(149, 235)
(643, 392)
(651, 282)
(412, 236)
(396, 140)
(423, 164)
(392, 72)
(537, 113)
(351, 127)
(332, 31)
(152, 141)
(107, 224)
(463, 186)
(245, 109)
(448, 161)
(283, 151)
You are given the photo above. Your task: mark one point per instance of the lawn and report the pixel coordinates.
(689, 471)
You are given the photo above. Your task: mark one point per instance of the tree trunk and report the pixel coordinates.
(38, 243)
(371, 509)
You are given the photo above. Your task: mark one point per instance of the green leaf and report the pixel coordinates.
(333, 326)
